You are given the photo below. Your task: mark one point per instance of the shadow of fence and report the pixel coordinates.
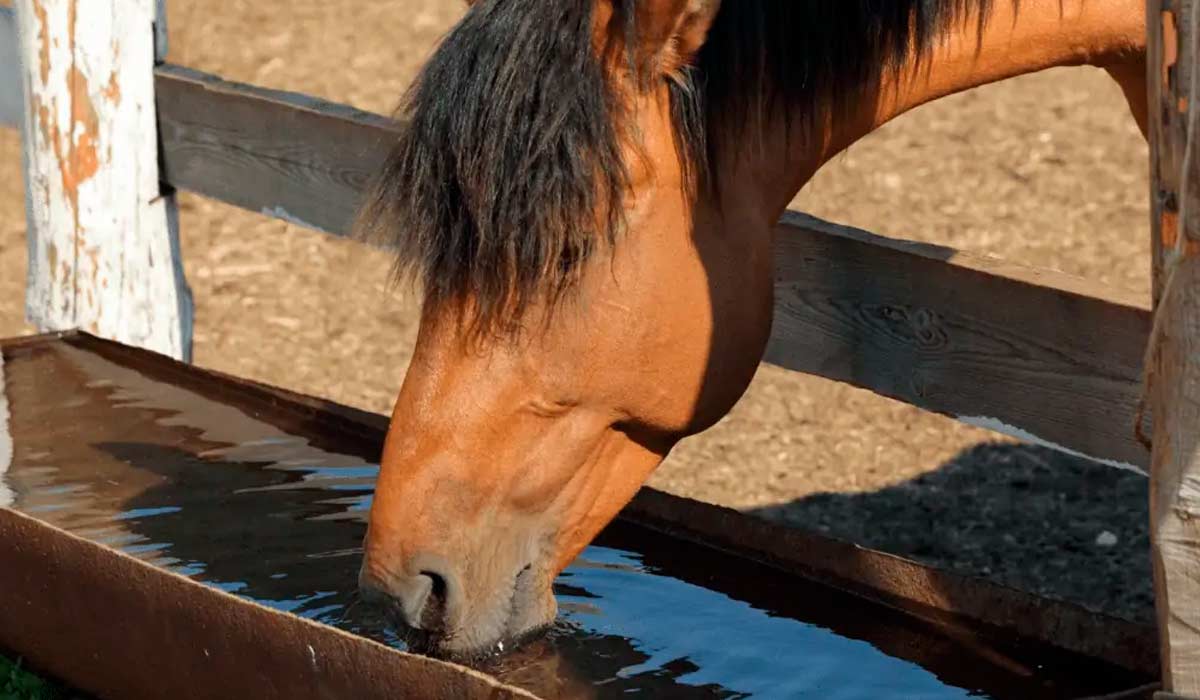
(1023, 516)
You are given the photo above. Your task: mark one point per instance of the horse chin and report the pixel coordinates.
(525, 613)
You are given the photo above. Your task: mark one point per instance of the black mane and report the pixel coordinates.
(509, 174)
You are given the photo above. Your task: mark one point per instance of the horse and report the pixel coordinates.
(586, 193)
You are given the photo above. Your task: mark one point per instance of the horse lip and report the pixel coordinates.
(417, 640)
(521, 594)
(513, 637)
(520, 586)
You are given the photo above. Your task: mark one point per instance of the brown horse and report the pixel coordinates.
(587, 190)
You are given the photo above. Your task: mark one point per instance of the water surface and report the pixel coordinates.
(269, 503)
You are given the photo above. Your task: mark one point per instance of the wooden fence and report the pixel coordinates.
(1037, 354)
(1058, 363)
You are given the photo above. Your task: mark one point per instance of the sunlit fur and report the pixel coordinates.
(509, 174)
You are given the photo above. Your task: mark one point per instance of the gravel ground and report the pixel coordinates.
(1046, 170)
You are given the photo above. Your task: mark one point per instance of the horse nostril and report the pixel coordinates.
(439, 584)
(423, 602)
(432, 615)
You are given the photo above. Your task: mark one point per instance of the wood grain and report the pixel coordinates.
(1167, 134)
(1175, 476)
(282, 154)
(1173, 376)
(103, 241)
(1040, 354)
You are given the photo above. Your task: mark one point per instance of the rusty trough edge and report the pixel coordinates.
(940, 596)
(115, 626)
(925, 592)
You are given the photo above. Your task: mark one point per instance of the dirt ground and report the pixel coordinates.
(1046, 170)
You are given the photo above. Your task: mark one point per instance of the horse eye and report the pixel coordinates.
(549, 408)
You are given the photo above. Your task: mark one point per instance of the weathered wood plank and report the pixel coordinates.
(10, 70)
(1173, 359)
(1174, 381)
(283, 154)
(104, 248)
(1164, 65)
(1040, 355)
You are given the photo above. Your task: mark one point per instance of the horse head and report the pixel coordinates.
(584, 308)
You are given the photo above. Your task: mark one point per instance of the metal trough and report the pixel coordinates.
(117, 626)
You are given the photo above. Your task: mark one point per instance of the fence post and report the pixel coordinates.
(1173, 361)
(103, 237)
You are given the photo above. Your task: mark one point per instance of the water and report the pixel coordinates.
(269, 503)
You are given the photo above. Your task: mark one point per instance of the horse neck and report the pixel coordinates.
(1019, 38)
(1016, 39)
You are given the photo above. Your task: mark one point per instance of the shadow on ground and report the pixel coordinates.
(1027, 517)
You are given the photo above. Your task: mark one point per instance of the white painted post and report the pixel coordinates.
(103, 239)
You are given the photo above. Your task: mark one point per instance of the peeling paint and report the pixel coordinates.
(43, 21)
(43, 120)
(96, 214)
(998, 426)
(82, 159)
(84, 163)
(78, 159)
(112, 91)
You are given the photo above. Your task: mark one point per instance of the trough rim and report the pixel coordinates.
(961, 605)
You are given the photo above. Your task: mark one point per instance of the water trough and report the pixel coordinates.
(170, 531)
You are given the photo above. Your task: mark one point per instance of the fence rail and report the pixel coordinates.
(1038, 354)
(282, 154)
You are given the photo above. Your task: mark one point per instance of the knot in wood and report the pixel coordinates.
(921, 327)
(927, 328)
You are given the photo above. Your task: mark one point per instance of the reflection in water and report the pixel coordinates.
(717, 641)
(230, 494)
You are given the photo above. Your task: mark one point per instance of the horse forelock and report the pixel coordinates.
(509, 174)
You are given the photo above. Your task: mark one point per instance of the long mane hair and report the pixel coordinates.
(508, 174)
